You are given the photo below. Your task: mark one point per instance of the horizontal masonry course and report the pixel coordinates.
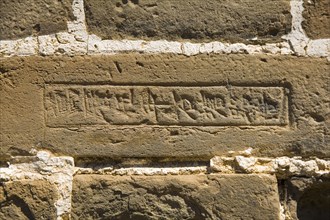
(165, 109)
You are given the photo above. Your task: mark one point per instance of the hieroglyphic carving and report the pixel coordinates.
(165, 105)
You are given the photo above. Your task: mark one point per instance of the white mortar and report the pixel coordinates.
(44, 166)
(78, 42)
(282, 167)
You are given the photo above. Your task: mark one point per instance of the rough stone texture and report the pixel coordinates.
(21, 117)
(175, 197)
(22, 18)
(229, 20)
(27, 199)
(308, 198)
(317, 18)
(67, 105)
(282, 167)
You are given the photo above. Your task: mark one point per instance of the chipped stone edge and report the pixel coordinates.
(146, 171)
(45, 166)
(282, 167)
(236, 162)
(300, 43)
(77, 41)
(60, 170)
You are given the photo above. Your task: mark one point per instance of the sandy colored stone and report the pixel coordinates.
(28, 199)
(175, 197)
(308, 198)
(229, 20)
(317, 18)
(22, 18)
(278, 105)
(21, 117)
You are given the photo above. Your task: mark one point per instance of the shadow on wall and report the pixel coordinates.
(314, 203)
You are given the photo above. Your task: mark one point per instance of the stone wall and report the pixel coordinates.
(146, 109)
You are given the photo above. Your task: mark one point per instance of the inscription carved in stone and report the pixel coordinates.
(165, 105)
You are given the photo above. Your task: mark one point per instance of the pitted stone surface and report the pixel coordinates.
(317, 18)
(175, 197)
(308, 198)
(165, 106)
(27, 199)
(23, 18)
(229, 20)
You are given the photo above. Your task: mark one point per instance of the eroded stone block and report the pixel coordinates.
(308, 198)
(165, 106)
(22, 18)
(317, 18)
(175, 197)
(72, 105)
(229, 20)
(27, 199)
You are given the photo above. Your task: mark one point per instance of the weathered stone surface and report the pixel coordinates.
(22, 18)
(175, 197)
(160, 105)
(229, 20)
(317, 18)
(165, 106)
(27, 199)
(21, 110)
(308, 198)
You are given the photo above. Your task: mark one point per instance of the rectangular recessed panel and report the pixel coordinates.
(68, 105)
(165, 106)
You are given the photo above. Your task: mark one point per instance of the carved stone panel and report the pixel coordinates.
(165, 106)
(158, 105)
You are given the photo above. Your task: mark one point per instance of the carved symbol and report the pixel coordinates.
(134, 105)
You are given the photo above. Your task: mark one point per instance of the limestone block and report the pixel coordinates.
(27, 199)
(316, 18)
(165, 106)
(229, 20)
(175, 197)
(308, 198)
(23, 18)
